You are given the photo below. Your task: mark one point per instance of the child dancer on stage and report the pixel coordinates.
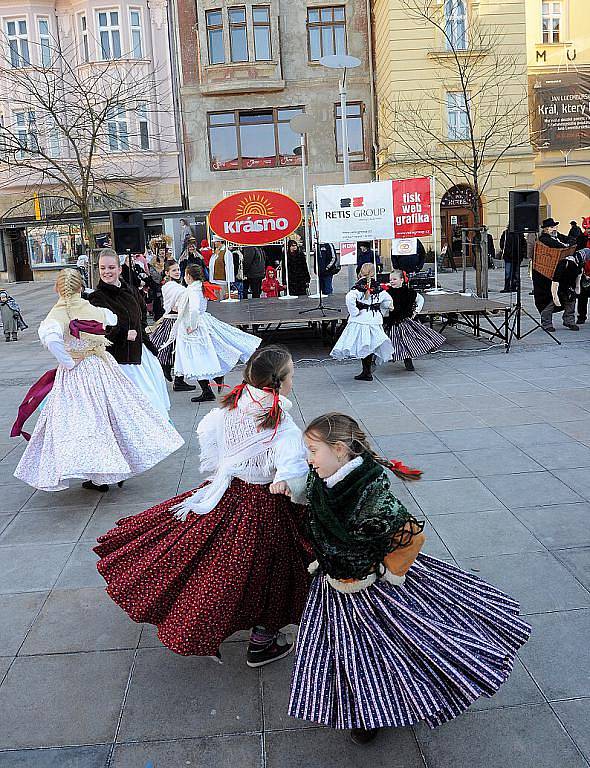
(94, 425)
(228, 555)
(389, 637)
(172, 292)
(409, 337)
(206, 348)
(364, 337)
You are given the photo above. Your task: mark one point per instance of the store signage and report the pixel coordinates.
(412, 208)
(353, 212)
(258, 217)
(560, 106)
(459, 197)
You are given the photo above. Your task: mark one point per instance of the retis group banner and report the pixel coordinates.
(355, 212)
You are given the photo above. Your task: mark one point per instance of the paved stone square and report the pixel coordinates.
(504, 442)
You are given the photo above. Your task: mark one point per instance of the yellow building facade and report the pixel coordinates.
(558, 54)
(422, 121)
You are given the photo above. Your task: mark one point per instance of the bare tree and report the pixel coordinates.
(481, 81)
(78, 133)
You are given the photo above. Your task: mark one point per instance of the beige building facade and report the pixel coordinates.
(41, 40)
(422, 120)
(558, 51)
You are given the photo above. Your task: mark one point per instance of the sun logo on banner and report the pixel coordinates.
(254, 205)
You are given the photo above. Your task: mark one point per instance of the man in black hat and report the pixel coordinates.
(545, 290)
(550, 236)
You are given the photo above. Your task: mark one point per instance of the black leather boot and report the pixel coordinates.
(366, 374)
(180, 385)
(409, 364)
(206, 395)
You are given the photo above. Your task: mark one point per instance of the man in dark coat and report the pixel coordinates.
(542, 285)
(550, 236)
(513, 247)
(254, 270)
(328, 266)
(366, 255)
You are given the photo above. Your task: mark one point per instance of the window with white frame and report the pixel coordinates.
(456, 25)
(44, 42)
(552, 21)
(18, 43)
(84, 44)
(53, 137)
(109, 34)
(26, 133)
(143, 126)
(457, 121)
(135, 26)
(118, 130)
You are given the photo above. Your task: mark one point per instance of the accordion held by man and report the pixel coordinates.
(546, 259)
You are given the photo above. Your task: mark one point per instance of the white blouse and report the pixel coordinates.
(172, 292)
(233, 446)
(382, 301)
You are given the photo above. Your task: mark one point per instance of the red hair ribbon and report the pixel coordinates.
(275, 411)
(400, 469)
(210, 291)
(235, 394)
(405, 276)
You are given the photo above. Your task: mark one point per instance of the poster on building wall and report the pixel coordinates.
(355, 212)
(560, 107)
(412, 208)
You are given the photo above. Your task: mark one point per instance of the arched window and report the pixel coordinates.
(456, 24)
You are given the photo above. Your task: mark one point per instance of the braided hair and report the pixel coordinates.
(266, 369)
(333, 428)
(69, 284)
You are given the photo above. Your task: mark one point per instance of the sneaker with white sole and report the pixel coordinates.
(268, 654)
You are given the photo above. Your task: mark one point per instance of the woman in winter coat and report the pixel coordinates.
(130, 344)
(297, 272)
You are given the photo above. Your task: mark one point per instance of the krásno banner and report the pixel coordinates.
(377, 211)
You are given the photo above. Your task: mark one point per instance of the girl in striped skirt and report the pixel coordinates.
(172, 292)
(409, 337)
(389, 636)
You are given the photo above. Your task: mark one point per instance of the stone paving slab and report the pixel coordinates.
(504, 442)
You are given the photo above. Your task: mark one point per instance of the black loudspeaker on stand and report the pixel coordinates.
(524, 218)
(128, 231)
(323, 309)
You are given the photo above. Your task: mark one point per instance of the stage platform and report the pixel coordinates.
(481, 316)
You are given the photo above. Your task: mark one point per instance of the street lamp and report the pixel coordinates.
(343, 62)
(302, 124)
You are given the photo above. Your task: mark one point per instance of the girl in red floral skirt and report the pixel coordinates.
(228, 555)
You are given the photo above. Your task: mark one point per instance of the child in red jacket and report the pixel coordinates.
(271, 287)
